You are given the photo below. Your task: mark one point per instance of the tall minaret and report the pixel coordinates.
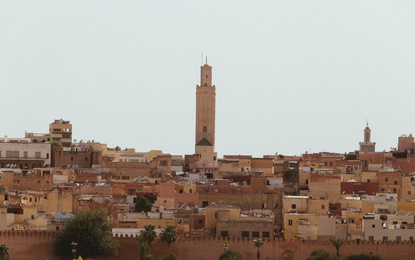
(205, 115)
(367, 145)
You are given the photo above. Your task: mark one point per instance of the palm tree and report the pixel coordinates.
(150, 236)
(142, 244)
(258, 244)
(169, 235)
(337, 244)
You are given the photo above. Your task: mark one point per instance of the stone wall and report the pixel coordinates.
(38, 245)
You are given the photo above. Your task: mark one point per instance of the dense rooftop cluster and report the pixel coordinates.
(361, 195)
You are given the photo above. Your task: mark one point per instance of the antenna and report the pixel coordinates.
(206, 59)
(201, 59)
(367, 122)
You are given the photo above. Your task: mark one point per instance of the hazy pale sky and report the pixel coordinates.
(290, 76)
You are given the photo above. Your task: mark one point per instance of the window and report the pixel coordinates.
(306, 182)
(293, 206)
(135, 200)
(12, 154)
(395, 182)
(398, 239)
(37, 154)
(204, 129)
(265, 234)
(323, 206)
(264, 206)
(371, 238)
(47, 155)
(276, 205)
(163, 163)
(131, 191)
(86, 159)
(368, 180)
(72, 159)
(395, 222)
(382, 189)
(373, 226)
(205, 204)
(409, 192)
(411, 239)
(45, 197)
(180, 191)
(385, 239)
(190, 190)
(33, 216)
(38, 181)
(200, 221)
(245, 233)
(386, 179)
(25, 154)
(394, 190)
(331, 163)
(255, 233)
(30, 199)
(290, 222)
(224, 233)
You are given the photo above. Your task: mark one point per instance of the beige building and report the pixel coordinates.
(61, 130)
(300, 226)
(294, 204)
(19, 153)
(205, 116)
(389, 227)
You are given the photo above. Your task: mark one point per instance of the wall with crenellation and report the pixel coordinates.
(38, 245)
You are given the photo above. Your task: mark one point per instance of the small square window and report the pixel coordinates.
(323, 206)
(293, 206)
(373, 226)
(290, 222)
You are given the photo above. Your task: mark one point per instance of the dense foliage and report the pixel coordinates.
(170, 257)
(320, 254)
(4, 252)
(55, 144)
(366, 256)
(142, 204)
(91, 231)
(232, 255)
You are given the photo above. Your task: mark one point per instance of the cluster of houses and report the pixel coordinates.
(361, 195)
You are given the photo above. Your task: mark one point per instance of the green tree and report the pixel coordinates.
(55, 143)
(232, 255)
(92, 232)
(4, 252)
(170, 257)
(337, 244)
(142, 244)
(258, 244)
(365, 256)
(150, 235)
(320, 254)
(142, 204)
(169, 235)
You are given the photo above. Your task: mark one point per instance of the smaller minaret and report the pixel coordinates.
(367, 145)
